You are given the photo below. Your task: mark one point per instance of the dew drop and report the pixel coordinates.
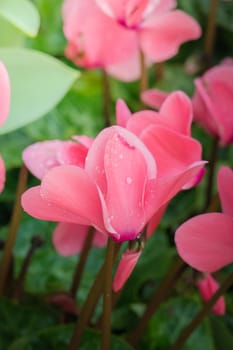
(129, 180)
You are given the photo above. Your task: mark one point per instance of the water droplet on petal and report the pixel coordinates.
(129, 180)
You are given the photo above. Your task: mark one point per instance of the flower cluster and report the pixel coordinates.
(129, 175)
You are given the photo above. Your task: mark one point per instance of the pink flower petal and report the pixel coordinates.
(4, 94)
(163, 35)
(128, 167)
(155, 220)
(208, 286)
(41, 156)
(154, 98)
(123, 113)
(225, 188)
(70, 188)
(201, 102)
(126, 266)
(173, 156)
(139, 121)
(163, 189)
(72, 153)
(2, 174)
(68, 238)
(206, 241)
(178, 112)
(36, 206)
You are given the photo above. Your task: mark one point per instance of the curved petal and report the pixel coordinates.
(206, 241)
(68, 238)
(41, 156)
(72, 153)
(127, 263)
(219, 81)
(123, 113)
(201, 102)
(178, 112)
(126, 70)
(36, 206)
(139, 121)
(155, 220)
(162, 190)
(4, 94)
(174, 156)
(128, 167)
(154, 98)
(225, 188)
(208, 286)
(162, 37)
(70, 188)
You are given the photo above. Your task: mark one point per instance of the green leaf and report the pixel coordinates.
(223, 338)
(22, 14)
(12, 37)
(38, 83)
(58, 338)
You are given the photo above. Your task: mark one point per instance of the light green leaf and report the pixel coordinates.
(38, 83)
(12, 36)
(22, 14)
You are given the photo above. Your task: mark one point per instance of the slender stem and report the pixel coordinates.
(143, 78)
(203, 312)
(89, 306)
(107, 297)
(160, 294)
(106, 98)
(36, 243)
(211, 28)
(212, 164)
(159, 71)
(115, 297)
(82, 262)
(13, 228)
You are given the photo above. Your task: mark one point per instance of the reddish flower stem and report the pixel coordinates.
(107, 297)
(106, 98)
(89, 306)
(82, 262)
(36, 243)
(211, 174)
(203, 312)
(211, 28)
(13, 228)
(160, 294)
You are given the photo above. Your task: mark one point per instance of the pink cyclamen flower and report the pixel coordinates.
(109, 193)
(153, 27)
(213, 102)
(40, 157)
(159, 29)
(4, 111)
(206, 241)
(208, 286)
